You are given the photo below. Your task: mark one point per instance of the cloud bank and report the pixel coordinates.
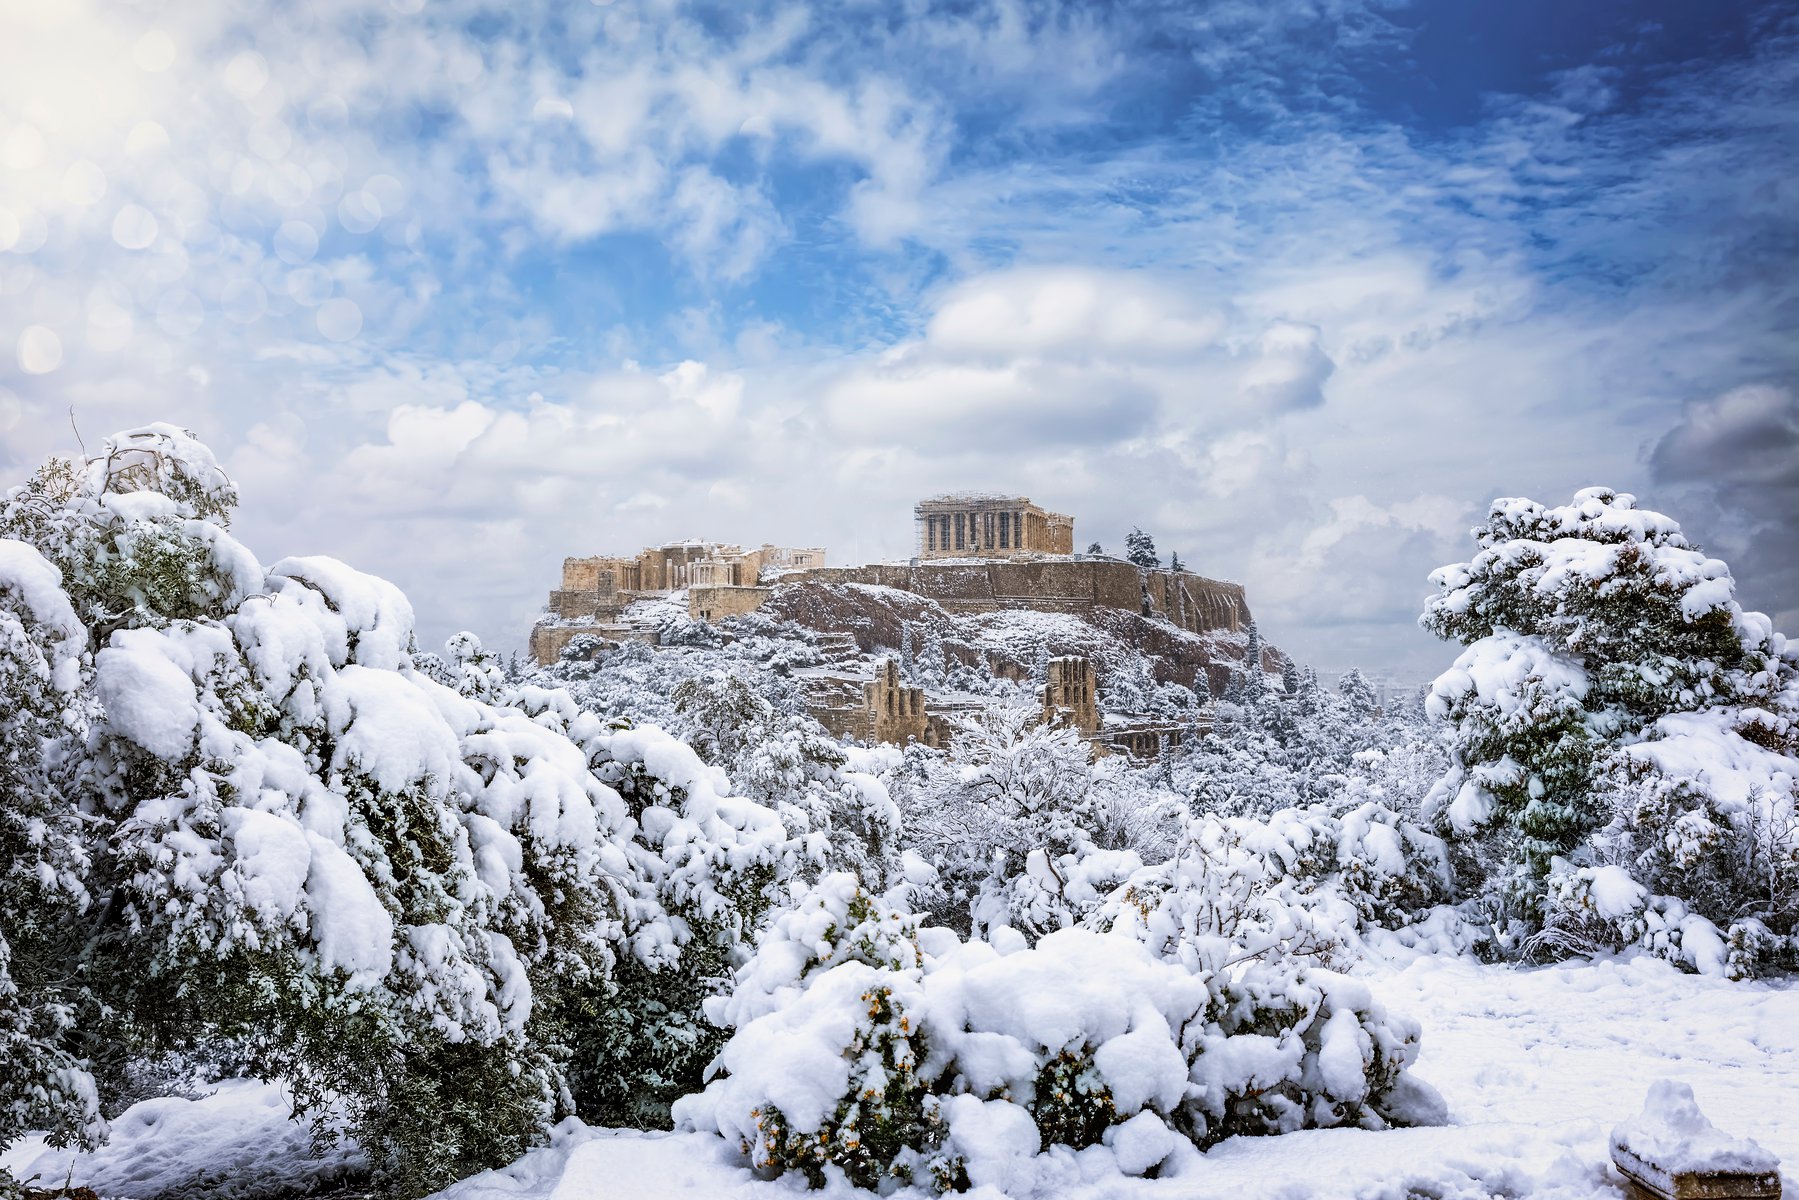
(458, 289)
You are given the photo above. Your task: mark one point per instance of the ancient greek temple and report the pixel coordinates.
(985, 525)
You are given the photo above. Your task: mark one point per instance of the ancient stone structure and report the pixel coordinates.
(675, 565)
(1022, 559)
(723, 580)
(548, 640)
(709, 603)
(893, 711)
(985, 525)
(1071, 694)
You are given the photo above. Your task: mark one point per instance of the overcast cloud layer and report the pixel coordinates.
(457, 289)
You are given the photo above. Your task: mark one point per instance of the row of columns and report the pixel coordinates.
(975, 530)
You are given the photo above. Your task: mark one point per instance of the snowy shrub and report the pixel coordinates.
(826, 1060)
(844, 820)
(894, 1053)
(43, 855)
(1307, 881)
(291, 841)
(1616, 707)
(1006, 816)
(1590, 908)
(700, 867)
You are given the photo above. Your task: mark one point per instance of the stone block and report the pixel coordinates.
(1645, 1181)
(1670, 1151)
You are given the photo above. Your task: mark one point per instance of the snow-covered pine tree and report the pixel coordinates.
(1140, 548)
(1255, 681)
(1290, 675)
(933, 661)
(1616, 707)
(1358, 695)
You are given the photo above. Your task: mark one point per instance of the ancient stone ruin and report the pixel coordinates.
(596, 591)
(974, 553)
(988, 525)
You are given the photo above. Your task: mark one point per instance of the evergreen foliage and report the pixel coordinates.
(1616, 708)
(1140, 548)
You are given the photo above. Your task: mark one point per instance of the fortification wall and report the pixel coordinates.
(717, 603)
(1191, 602)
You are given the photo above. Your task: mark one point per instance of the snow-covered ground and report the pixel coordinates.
(1537, 1066)
(235, 1142)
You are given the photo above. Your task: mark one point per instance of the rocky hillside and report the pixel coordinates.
(1010, 642)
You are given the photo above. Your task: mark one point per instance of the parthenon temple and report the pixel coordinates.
(988, 525)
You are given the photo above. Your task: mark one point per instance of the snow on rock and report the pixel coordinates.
(1674, 1137)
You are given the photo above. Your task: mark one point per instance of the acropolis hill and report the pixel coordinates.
(973, 554)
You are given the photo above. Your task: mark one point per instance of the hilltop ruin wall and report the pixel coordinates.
(1188, 601)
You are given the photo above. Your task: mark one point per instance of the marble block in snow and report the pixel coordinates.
(1671, 1152)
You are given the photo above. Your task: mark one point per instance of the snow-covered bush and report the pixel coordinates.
(1302, 882)
(852, 1098)
(1616, 707)
(43, 853)
(399, 897)
(844, 819)
(1007, 818)
(696, 868)
(868, 1045)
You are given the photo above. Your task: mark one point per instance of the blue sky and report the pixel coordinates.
(459, 288)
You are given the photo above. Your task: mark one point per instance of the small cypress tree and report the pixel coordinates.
(1254, 681)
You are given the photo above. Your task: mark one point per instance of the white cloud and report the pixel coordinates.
(389, 266)
(1071, 313)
